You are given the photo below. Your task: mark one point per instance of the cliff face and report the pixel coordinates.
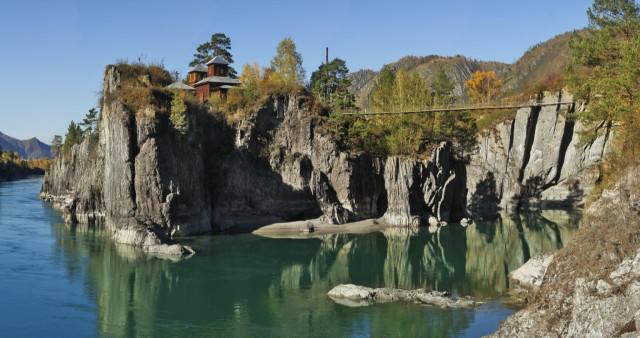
(135, 179)
(150, 183)
(533, 161)
(281, 165)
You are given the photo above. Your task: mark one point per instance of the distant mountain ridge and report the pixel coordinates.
(27, 149)
(543, 62)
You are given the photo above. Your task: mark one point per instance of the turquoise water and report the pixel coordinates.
(61, 280)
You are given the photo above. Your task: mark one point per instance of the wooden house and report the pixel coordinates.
(197, 73)
(217, 81)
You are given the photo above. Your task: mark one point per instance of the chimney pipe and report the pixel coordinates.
(327, 56)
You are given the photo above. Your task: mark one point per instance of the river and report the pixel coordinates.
(71, 280)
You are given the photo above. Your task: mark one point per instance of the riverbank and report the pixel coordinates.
(592, 286)
(10, 171)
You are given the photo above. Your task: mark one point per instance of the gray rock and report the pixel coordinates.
(428, 190)
(361, 294)
(351, 291)
(533, 162)
(531, 274)
(603, 288)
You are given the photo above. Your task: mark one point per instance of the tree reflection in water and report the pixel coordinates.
(248, 285)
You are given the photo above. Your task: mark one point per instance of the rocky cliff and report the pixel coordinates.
(151, 183)
(592, 286)
(533, 161)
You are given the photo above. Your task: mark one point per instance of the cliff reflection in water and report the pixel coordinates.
(470, 261)
(247, 285)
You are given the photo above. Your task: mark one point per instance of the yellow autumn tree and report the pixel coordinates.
(250, 80)
(483, 86)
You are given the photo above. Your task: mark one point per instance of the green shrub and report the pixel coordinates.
(178, 116)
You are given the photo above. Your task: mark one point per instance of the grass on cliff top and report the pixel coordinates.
(487, 119)
(239, 102)
(142, 86)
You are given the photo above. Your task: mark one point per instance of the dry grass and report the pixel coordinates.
(143, 86)
(610, 232)
(487, 119)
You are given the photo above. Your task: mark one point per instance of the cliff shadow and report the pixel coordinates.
(485, 201)
(568, 195)
(251, 194)
(244, 168)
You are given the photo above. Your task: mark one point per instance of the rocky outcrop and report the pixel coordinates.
(533, 161)
(282, 165)
(419, 189)
(354, 295)
(592, 286)
(151, 183)
(141, 178)
(529, 275)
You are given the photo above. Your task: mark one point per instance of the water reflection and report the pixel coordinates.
(248, 285)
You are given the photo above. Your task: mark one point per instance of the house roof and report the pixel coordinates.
(218, 60)
(180, 85)
(219, 79)
(198, 68)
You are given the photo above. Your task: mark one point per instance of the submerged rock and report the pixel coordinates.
(358, 295)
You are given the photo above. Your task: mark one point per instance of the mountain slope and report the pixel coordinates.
(27, 149)
(541, 64)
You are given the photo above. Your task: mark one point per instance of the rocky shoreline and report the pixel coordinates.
(591, 287)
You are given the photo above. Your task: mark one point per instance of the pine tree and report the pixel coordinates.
(89, 122)
(441, 89)
(56, 144)
(219, 45)
(331, 84)
(605, 70)
(72, 137)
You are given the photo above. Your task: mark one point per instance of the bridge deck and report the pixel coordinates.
(435, 110)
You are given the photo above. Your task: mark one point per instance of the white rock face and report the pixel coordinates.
(533, 161)
(531, 274)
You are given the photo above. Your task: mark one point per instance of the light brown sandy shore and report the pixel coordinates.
(293, 229)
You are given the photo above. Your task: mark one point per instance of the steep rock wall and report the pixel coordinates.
(282, 166)
(142, 179)
(150, 183)
(533, 161)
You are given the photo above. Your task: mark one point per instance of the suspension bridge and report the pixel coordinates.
(455, 109)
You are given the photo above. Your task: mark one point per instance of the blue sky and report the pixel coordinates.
(53, 52)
